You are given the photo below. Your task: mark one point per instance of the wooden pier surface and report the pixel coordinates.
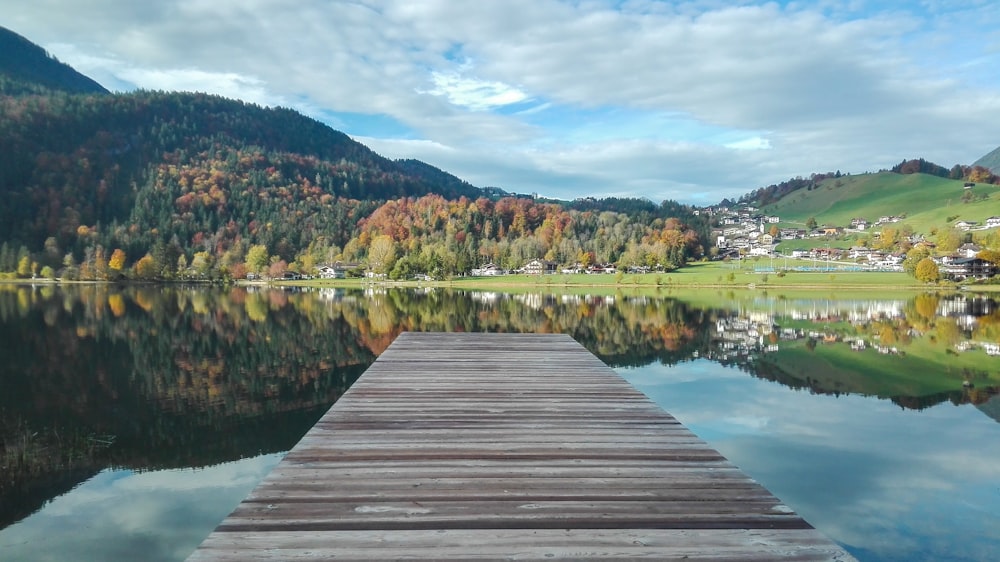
(505, 447)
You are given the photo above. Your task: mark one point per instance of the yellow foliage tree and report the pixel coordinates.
(24, 267)
(117, 261)
(927, 271)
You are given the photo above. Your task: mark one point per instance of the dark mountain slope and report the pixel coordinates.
(25, 68)
(153, 163)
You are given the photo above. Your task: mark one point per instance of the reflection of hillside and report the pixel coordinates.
(202, 362)
(991, 407)
(917, 353)
(24, 496)
(622, 330)
(172, 378)
(179, 377)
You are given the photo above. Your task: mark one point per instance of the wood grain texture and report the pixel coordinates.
(505, 447)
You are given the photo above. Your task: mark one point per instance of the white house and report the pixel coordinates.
(968, 250)
(336, 271)
(487, 270)
(540, 267)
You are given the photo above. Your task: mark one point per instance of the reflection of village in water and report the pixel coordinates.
(917, 351)
(761, 326)
(756, 331)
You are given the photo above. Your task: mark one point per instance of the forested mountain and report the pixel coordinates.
(182, 184)
(25, 68)
(134, 170)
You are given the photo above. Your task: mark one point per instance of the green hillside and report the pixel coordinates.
(925, 201)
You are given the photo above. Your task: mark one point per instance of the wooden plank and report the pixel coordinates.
(505, 447)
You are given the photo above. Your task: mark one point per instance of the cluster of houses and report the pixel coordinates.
(992, 222)
(542, 267)
(963, 264)
(744, 231)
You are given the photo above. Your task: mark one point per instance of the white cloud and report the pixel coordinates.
(722, 98)
(473, 93)
(754, 143)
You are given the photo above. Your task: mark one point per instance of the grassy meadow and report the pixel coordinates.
(714, 275)
(927, 201)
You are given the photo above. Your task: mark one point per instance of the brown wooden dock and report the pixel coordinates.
(505, 447)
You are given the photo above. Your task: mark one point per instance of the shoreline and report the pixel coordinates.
(521, 282)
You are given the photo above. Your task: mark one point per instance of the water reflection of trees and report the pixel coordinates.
(151, 377)
(146, 377)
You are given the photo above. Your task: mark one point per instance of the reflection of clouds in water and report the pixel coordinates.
(884, 481)
(656, 375)
(157, 515)
(744, 424)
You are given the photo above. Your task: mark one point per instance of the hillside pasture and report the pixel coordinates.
(925, 201)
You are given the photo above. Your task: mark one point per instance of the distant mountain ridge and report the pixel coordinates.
(25, 68)
(144, 158)
(167, 185)
(990, 161)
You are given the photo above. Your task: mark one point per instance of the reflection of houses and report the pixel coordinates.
(540, 267)
(333, 295)
(486, 297)
(958, 307)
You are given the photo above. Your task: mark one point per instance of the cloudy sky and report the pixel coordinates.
(692, 101)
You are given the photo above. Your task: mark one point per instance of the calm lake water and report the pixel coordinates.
(134, 419)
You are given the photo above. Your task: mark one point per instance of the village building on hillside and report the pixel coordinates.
(540, 267)
(487, 270)
(968, 250)
(961, 269)
(337, 270)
